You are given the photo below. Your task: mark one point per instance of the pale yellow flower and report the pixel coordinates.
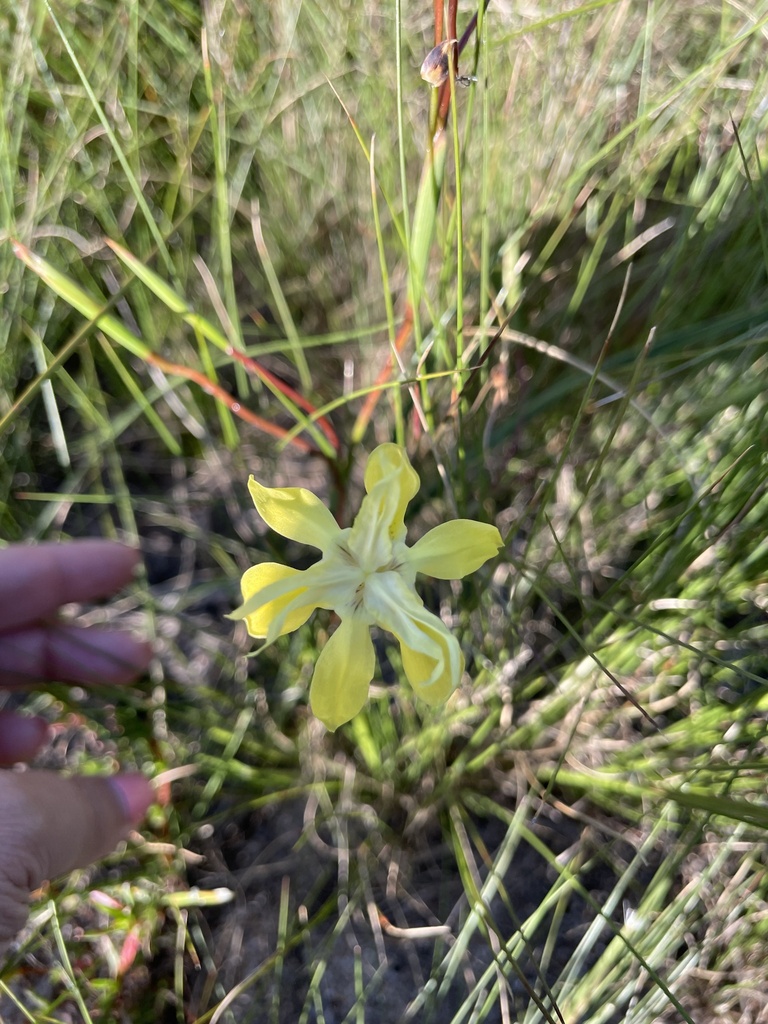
(366, 575)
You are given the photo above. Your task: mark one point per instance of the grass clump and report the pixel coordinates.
(567, 327)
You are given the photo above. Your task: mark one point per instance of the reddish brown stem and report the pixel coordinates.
(303, 403)
(444, 102)
(372, 399)
(225, 398)
(453, 6)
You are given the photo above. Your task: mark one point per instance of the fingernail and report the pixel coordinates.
(135, 794)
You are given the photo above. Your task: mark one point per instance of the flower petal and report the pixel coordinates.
(390, 463)
(254, 582)
(295, 513)
(370, 540)
(432, 658)
(455, 549)
(343, 673)
(433, 678)
(290, 591)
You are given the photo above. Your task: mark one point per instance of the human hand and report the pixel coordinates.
(49, 823)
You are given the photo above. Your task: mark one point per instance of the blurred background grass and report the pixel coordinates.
(581, 830)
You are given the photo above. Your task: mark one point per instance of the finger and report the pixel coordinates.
(71, 654)
(21, 737)
(36, 580)
(50, 824)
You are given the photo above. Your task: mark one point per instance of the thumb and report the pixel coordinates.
(50, 824)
